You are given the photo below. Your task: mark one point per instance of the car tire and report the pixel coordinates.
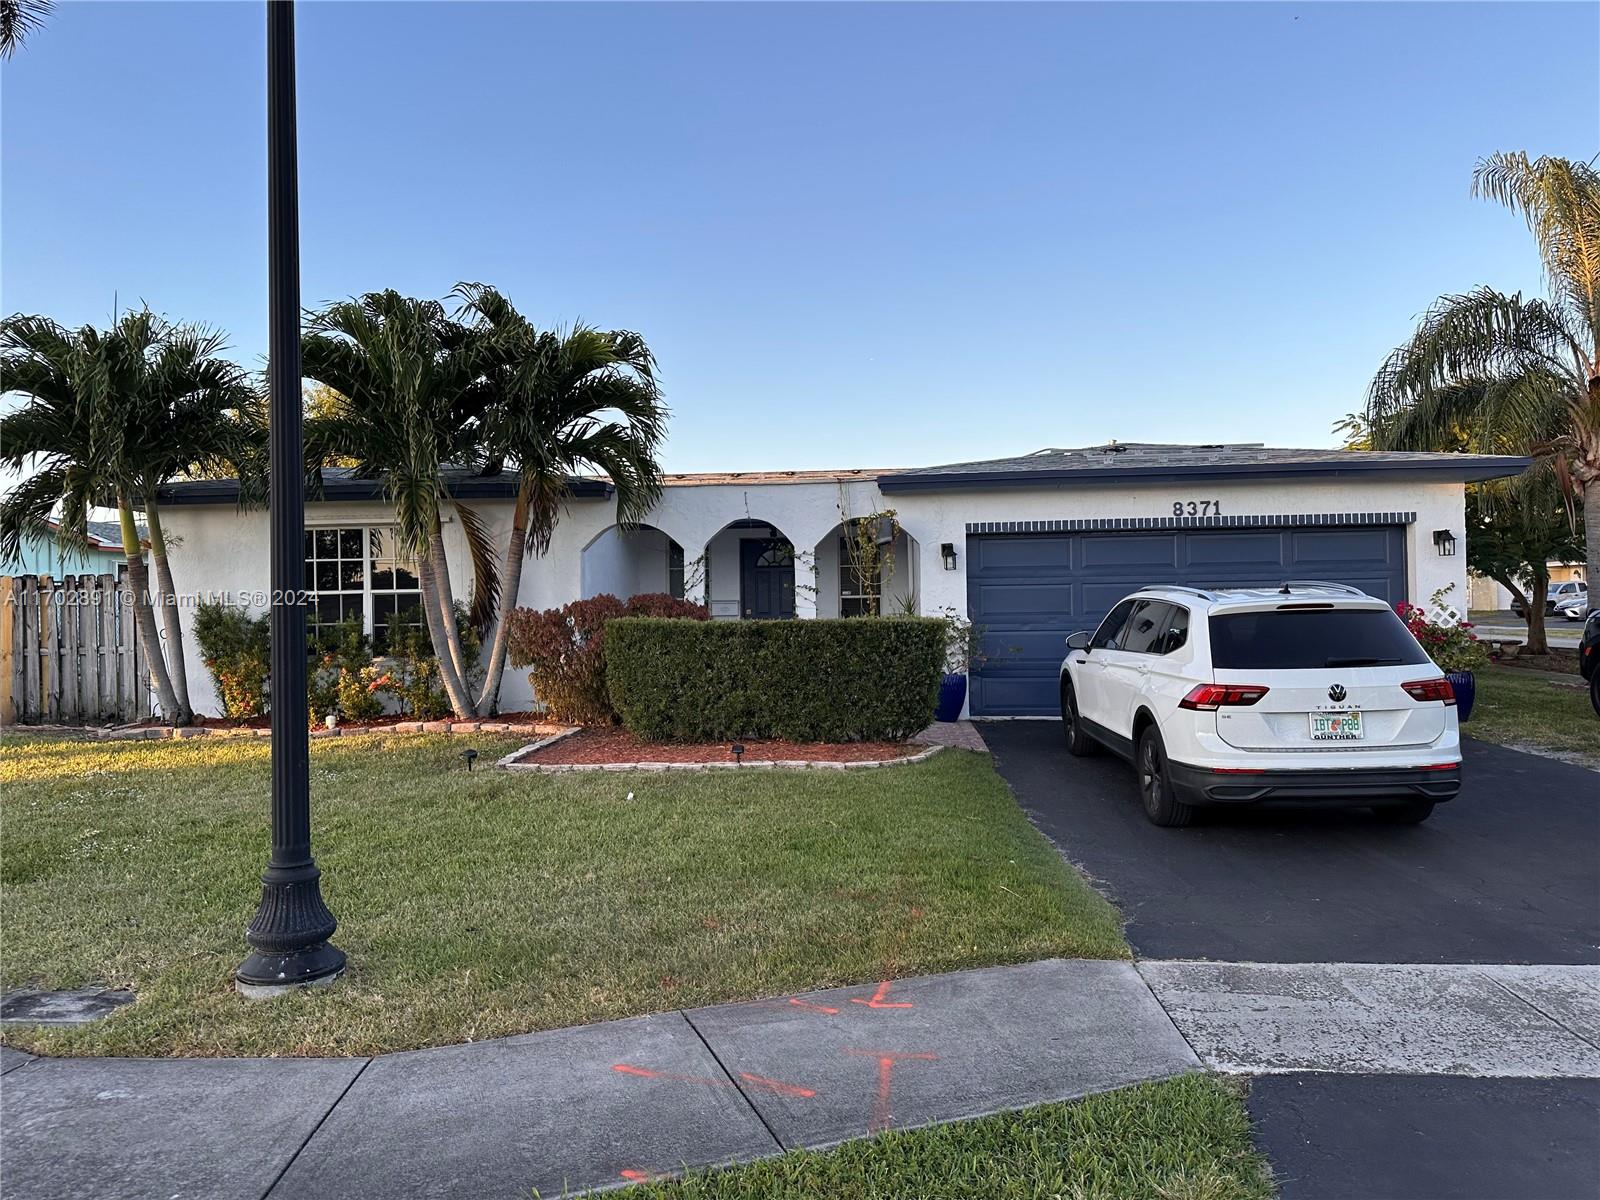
(1594, 692)
(1155, 783)
(1079, 743)
(1411, 812)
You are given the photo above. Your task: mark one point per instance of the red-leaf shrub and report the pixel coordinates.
(565, 647)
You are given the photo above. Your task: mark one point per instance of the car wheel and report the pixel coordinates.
(1155, 784)
(1079, 743)
(1594, 691)
(1412, 812)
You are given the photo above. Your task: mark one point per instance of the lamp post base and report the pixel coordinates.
(263, 976)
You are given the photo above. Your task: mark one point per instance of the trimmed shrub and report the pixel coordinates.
(237, 649)
(566, 649)
(850, 680)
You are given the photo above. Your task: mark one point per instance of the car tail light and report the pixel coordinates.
(1208, 697)
(1430, 689)
(1439, 767)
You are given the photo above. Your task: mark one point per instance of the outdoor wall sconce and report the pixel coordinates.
(947, 551)
(1444, 542)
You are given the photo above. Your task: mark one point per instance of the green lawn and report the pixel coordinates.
(484, 904)
(1183, 1139)
(1532, 711)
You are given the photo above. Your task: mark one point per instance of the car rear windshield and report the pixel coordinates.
(1302, 639)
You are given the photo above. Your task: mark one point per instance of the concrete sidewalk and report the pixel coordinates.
(592, 1107)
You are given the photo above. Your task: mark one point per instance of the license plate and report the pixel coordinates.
(1337, 726)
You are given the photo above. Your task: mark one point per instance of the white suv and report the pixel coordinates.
(1309, 692)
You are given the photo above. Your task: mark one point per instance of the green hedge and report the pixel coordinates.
(862, 679)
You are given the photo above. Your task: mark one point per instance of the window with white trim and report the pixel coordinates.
(359, 571)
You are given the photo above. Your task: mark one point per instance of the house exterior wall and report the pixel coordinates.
(43, 556)
(221, 551)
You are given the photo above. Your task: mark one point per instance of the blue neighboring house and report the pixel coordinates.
(41, 554)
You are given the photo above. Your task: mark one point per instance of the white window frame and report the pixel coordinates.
(368, 532)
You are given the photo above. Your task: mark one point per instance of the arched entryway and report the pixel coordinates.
(633, 560)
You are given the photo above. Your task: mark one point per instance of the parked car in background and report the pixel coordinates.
(1589, 658)
(1553, 595)
(1573, 608)
(1312, 692)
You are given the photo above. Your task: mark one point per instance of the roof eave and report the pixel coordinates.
(474, 487)
(1469, 469)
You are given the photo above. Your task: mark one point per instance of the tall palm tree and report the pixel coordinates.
(1509, 369)
(19, 19)
(405, 393)
(109, 417)
(559, 405)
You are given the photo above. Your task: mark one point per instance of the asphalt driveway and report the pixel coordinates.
(1508, 872)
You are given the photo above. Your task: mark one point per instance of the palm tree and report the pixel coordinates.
(110, 417)
(559, 405)
(19, 19)
(1510, 370)
(405, 393)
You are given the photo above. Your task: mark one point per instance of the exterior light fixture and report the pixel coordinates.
(738, 752)
(1444, 542)
(471, 756)
(947, 551)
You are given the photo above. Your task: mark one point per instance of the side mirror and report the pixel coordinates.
(1079, 640)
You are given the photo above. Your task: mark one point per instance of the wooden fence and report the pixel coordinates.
(68, 654)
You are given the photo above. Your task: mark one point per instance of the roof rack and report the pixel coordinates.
(1323, 583)
(1177, 587)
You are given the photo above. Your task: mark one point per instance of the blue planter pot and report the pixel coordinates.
(952, 695)
(1466, 690)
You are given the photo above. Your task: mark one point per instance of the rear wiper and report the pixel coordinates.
(1362, 662)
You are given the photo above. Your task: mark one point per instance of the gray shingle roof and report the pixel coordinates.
(1118, 461)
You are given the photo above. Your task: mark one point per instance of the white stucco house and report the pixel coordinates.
(1028, 548)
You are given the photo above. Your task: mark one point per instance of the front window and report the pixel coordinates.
(860, 585)
(675, 583)
(358, 571)
(1312, 639)
(1108, 636)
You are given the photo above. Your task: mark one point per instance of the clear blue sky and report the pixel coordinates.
(854, 235)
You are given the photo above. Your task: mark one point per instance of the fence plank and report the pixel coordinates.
(67, 617)
(107, 620)
(8, 651)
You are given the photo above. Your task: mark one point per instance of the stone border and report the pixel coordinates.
(143, 733)
(509, 763)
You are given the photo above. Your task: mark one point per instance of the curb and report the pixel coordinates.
(510, 763)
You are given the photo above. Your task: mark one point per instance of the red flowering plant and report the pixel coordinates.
(1449, 641)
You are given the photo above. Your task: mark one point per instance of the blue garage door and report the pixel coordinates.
(1028, 591)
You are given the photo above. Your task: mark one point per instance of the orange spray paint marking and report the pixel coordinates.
(637, 1176)
(878, 1000)
(776, 1085)
(668, 1076)
(882, 1111)
(810, 1007)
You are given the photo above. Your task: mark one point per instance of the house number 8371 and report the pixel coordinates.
(1197, 508)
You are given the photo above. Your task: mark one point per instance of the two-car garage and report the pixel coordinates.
(1026, 591)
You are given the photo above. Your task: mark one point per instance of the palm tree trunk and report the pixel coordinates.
(1591, 534)
(454, 689)
(167, 595)
(510, 583)
(144, 617)
(1540, 579)
(446, 600)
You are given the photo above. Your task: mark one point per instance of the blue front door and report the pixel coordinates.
(766, 579)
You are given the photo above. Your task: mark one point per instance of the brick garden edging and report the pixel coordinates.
(510, 763)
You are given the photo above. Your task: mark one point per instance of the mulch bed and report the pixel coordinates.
(1559, 660)
(599, 745)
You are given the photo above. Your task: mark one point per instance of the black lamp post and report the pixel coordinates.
(290, 931)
